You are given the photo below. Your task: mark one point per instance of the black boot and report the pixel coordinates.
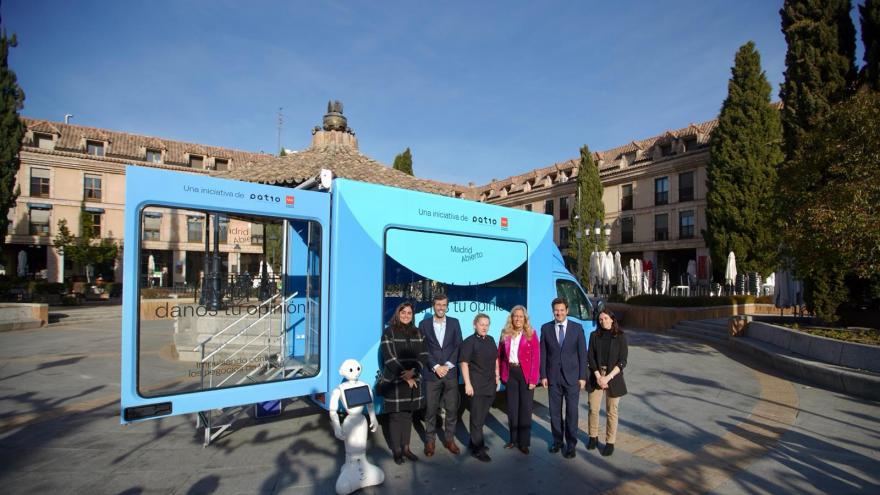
(593, 443)
(609, 449)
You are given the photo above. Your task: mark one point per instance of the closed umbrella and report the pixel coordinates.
(608, 268)
(783, 289)
(151, 265)
(618, 273)
(730, 270)
(594, 269)
(22, 264)
(692, 272)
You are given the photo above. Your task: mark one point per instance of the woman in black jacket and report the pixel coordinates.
(404, 355)
(607, 357)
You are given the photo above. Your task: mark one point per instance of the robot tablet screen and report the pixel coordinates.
(358, 396)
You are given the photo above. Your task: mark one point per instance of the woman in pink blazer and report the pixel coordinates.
(519, 361)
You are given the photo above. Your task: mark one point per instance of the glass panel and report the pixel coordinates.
(578, 307)
(563, 208)
(216, 314)
(626, 230)
(95, 148)
(661, 191)
(626, 202)
(40, 172)
(154, 156)
(481, 275)
(686, 186)
(548, 206)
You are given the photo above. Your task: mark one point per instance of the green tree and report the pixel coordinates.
(85, 249)
(403, 162)
(837, 226)
(820, 72)
(870, 17)
(819, 63)
(11, 133)
(744, 152)
(588, 209)
(283, 152)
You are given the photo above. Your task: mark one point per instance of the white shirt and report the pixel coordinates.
(514, 349)
(564, 324)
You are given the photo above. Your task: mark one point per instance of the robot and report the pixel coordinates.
(357, 472)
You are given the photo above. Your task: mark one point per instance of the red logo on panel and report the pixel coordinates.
(504, 223)
(289, 201)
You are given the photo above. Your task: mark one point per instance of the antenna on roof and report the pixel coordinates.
(67, 117)
(280, 124)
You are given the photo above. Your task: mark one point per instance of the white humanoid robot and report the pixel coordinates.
(356, 473)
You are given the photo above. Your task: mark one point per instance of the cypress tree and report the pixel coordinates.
(819, 64)
(870, 20)
(744, 152)
(403, 162)
(11, 133)
(589, 208)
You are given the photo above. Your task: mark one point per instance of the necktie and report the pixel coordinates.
(561, 333)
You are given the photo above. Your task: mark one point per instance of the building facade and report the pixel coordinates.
(654, 194)
(69, 171)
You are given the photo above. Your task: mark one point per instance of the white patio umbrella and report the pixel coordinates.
(596, 260)
(608, 268)
(22, 264)
(618, 273)
(730, 270)
(692, 272)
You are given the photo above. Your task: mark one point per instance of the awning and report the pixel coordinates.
(39, 206)
(152, 214)
(91, 209)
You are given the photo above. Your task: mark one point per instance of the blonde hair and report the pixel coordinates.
(508, 331)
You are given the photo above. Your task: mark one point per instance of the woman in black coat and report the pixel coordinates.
(404, 355)
(606, 356)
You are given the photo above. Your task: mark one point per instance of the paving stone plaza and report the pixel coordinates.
(698, 419)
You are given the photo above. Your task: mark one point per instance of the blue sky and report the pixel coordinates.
(477, 90)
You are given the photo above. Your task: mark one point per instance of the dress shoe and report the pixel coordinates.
(398, 459)
(429, 449)
(569, 453)
(450, 445)
(555, 447)
(524, 450)
(609, 449)
(409, 455)
(509, 445)
(481, 455)
(593, 443)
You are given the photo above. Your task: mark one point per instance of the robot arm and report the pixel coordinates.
(334, 413)
(374, 425)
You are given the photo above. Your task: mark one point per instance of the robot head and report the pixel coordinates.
(350, 369)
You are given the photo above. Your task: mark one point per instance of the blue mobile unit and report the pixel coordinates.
(239, 293)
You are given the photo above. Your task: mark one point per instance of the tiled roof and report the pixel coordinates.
(608, 157)
(125, 147)
(344, 161)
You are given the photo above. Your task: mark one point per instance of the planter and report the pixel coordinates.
(662, 318)
(831, 351)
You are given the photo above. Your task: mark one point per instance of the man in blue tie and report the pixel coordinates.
(443, 338)
(563, 373)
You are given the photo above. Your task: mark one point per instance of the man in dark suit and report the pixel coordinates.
(443, 337)
(563, 373)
